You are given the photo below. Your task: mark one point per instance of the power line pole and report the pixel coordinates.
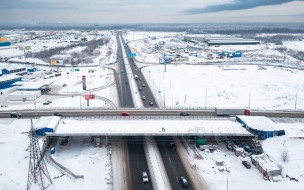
(37, 167)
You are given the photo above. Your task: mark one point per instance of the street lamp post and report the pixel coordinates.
(35, 106)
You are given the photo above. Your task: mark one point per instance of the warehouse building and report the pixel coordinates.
(6, 81)
(232, 42)
(10, 70)
(24, 96)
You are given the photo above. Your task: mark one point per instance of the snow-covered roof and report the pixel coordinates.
(32, 85)
(259, 122)
(265, 162)
(13, 68)
(8, 77)
(24, 93)
(48, 122)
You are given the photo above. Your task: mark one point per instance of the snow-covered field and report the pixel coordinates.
(228, 86)
(79, 156)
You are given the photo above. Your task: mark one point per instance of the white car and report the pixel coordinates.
(145, 177)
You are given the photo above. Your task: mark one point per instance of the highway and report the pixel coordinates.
(126, 100)
(141, 112)
(171, 162)
(146, 91)
(137, 163)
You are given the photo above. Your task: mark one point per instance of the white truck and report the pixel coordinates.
(220, 111)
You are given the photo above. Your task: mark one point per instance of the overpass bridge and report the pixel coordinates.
(152, 126)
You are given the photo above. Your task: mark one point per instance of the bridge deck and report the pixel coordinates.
(137, 126)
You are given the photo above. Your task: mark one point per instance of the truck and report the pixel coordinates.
(220, 111)
(135, 77)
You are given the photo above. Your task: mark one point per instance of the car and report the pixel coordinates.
(140, 78)
(49, 101)
(143, 85)
(127, 82)
(151, 103)
(46, 103)
(184, 113)
(16, 114)
(125, 114)
(183, 181)
(143, 97)
(140, 88)
(121, 71)
(145, 177)
(246, 164)
(57, 114)
(64, 85)
(172, 145)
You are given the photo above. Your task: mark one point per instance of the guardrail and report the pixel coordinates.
(152, 117)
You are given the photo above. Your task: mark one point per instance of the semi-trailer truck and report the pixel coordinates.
(220, 111)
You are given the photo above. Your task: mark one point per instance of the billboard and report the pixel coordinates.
(131, 54)
(55, 62)
(89, 96)
(84, 83)
(3, 39)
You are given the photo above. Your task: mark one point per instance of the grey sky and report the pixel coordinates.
(159, 11)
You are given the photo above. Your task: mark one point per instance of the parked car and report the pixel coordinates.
(172, 145)
(16, 114)
(46, 103)
(57, 114)
(143, 97)
(49, 101)
(64, 85)
(184, 114)
(151, 103)
(183, 181)
(145, 177)
(125, 114)
(246, 164)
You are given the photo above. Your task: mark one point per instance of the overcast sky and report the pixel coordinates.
(155, 11)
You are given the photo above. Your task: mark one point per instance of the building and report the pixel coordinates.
(261, 126)
(268, 168)
(232, 42)
(24, 95)
(10, 70)
(6, 81)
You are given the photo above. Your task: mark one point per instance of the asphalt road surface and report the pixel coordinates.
(172, 162)
(138, 164)
(141, 80)
(126, 101)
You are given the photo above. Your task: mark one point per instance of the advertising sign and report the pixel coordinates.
(3, 39)
(89, 96)
(131, 54)
(56, 62)
(84, 84)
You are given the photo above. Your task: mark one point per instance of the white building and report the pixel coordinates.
(24, 95)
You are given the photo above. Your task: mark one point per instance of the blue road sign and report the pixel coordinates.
(131, 54)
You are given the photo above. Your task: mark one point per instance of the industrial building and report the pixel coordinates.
(261, 126)
(10, 70)
(6, 81)
(31, 86)
(231, 42)
(24, 95)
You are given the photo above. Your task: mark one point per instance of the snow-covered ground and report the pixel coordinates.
(79, 156)
(228, 86)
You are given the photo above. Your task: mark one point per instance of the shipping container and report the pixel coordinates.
(2, 44)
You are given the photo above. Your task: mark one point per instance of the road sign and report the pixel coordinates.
(131, 54)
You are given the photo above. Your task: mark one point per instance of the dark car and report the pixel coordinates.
(16, 114)
(184, 114)
(127, 82)
(49, 101)
(183, 181)
(64, 85)
(57, 114)
(246, 164)
(172, 145)
(46, 103)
